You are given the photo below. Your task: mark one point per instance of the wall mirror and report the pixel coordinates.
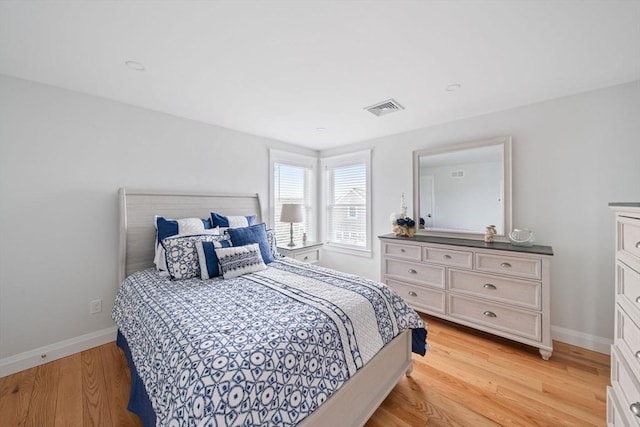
(460, 189)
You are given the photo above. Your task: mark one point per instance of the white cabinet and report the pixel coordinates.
(306, 252)
(623, 397)
(497, 287)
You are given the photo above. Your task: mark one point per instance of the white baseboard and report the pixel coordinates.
(32, 358)
(580, 339)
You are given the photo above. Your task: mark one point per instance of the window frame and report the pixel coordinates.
(297, 160)
(330, 162)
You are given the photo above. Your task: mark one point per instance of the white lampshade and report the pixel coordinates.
(291, 213)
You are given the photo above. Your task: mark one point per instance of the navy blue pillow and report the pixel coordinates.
(209, 265)
(171, 227)
(238, 221)
(253, 234)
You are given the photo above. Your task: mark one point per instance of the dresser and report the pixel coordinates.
(494, 287)
(623, 397)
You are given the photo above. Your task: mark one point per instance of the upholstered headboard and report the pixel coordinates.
(138, 209)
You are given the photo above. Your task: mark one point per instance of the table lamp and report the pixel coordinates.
(291, 213)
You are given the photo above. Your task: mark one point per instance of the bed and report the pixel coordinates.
(326, 374)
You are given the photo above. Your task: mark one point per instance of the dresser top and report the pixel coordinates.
(625, 204)
(420, 238)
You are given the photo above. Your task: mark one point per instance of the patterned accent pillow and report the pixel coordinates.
(232, 221)
(209, 264)
(253, 234)
(171, 227)
(273, 244)
(238, 260)
(182, 256)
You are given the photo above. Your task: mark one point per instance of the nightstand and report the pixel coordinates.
(305, 252)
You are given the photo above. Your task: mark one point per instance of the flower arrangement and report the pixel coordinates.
(401, 224)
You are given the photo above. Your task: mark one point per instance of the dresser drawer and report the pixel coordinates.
(416, 273)
(524, 293)
(419, 297)
(625, 381)
(311, 256)
(629, 236)
(523, 323)
(404, 251)
(615, 413)
(628, 338)
(448, 257)
(628, 284)
(530, 268)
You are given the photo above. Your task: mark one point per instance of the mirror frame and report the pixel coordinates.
(505, 141)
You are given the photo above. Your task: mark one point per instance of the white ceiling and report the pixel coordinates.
(287, 69)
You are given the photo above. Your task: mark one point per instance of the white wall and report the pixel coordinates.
(63, 156)
(571, 157)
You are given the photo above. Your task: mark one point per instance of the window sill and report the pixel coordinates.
(350, 250)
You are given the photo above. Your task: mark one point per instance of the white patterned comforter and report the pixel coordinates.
(266, 348)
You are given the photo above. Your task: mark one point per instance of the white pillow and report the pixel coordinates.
(238, 260)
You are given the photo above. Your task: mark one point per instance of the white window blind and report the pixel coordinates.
(293, 181)
(348, 213)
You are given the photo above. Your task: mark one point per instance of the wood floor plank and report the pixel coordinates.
(584, 355)
(95, 408)
(539, 410)
(485, 372)
(68, 410)
(458, 390)
(44, 396)
(388, 418)
(441, 410)
(15, 397)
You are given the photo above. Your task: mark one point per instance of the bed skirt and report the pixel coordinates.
(139, 402)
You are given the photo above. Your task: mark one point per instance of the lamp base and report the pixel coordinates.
(291, 242)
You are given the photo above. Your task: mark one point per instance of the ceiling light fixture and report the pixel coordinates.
(453, 87)
(321, 129)
(135, 65)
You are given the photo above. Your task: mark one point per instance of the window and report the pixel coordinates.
(347, 182)
(293, 180)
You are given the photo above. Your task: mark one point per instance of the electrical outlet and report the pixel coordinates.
(95, 306)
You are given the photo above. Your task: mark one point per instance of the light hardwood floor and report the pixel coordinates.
(467, 379)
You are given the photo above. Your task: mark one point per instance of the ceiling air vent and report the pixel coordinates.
(385, 107)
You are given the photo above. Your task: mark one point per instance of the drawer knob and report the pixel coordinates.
(412, 271)
(306, 258)
(505, 265)
(413, 294)
(446, 256)
(638, 244)
(490, 314)
(638, 354)
(489, 286)
(638, 299)
(635, 409)
(402, 250)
